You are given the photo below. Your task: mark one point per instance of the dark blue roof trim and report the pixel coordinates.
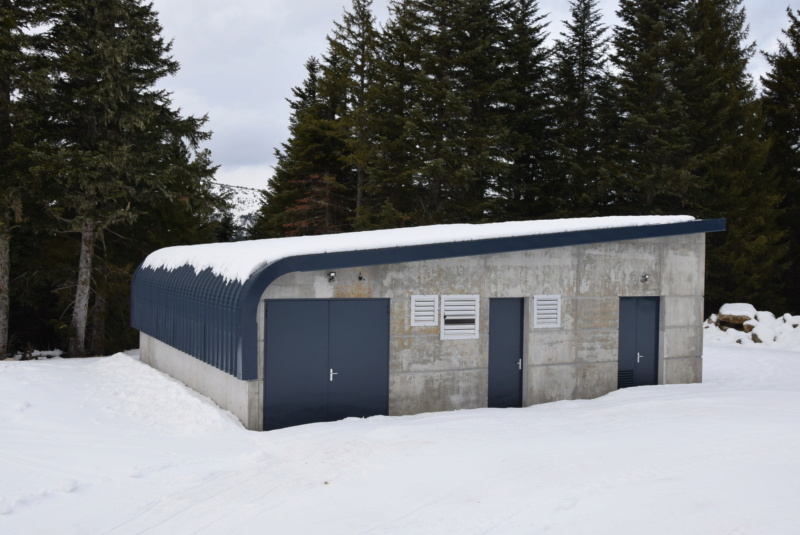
(242, 300)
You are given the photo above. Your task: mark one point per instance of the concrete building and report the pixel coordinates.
(297, 330)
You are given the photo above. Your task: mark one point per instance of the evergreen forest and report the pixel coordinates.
(97, 169)
(469, 112)
(447, 112)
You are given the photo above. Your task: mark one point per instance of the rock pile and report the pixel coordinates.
(742, 322)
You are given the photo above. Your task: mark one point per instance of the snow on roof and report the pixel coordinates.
(236, 261)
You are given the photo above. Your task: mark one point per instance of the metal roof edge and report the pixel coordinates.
(258, 282)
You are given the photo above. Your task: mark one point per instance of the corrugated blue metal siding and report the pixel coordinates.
(193, 312)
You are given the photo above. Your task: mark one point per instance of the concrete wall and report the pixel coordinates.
(242, 398)
(576, 361)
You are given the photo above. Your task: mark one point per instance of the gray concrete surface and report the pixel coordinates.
(576, 361)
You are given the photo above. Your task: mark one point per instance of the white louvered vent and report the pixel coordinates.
(460, 317)
(546, 311)
(424, 310)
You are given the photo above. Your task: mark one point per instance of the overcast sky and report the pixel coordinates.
(240, 58)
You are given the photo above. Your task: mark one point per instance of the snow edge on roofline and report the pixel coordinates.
(237, 261)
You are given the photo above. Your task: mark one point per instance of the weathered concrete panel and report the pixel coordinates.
(682, 311)
(597, 346)
(551, 346)
(546, 271)
(444, 277)
(597, 313)
(682, 262)
(236, 398)
(681, 342)
(414, 393)
(429, 353)
(189, 372)
(616, 269)
(256, 408)
(145, 352)
(595, 380)
(580, 381)
(213, 383)
(683, 371)
(551, 383)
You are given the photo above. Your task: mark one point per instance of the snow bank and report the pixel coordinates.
(36, 354)
(112, 446)
(764, 328)
(236, 261)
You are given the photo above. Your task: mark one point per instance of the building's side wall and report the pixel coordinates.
(577, 360)
(683, 287)
(242, 398)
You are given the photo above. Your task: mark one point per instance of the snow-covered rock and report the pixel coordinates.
(762, 334)
(741, 323)
(736, 313)
(764, 316)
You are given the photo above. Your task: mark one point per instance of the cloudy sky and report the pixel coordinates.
(240, 58)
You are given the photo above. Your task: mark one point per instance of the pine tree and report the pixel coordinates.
(648, 170)
(689, 138)
(394, 181)
(728, 159)
(781, 100)
(442, 68)
(112, 134)
(310, 170)
(524, 190)
(353, 76)
(581, 90)
(11, 55)
(18, 73)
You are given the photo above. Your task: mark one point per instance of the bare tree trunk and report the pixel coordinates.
(328, 200)
(359, 187)
(80, 312)
(97, 345)
(5, 180)
(5, 239)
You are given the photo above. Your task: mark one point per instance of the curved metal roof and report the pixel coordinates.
(215, 320)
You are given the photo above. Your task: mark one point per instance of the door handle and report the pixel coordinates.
(333, 373)
(519, 363)
(639, 357)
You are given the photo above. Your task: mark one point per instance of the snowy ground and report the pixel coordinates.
(108, 445)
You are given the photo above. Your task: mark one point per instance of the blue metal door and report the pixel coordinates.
(296, 358)
(638, 341)
(505, 352)
(325, 360)
(358, 358)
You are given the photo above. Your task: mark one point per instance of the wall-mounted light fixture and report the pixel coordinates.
(331, 276)
(645, 277)
(360, 277)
